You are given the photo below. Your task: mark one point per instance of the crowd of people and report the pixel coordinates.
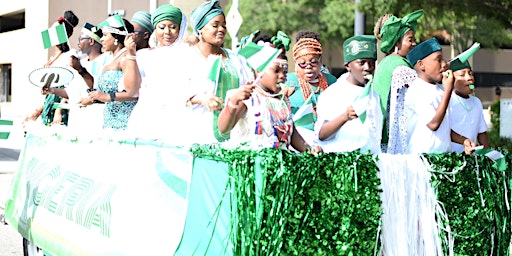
(149, 78)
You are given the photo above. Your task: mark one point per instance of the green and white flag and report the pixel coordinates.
(497, 157)
(305, 115)
(259, 56)
(362, 101)
(5, 129)
(112, 25)
(54, 36)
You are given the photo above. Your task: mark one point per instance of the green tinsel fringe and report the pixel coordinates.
(285, 203)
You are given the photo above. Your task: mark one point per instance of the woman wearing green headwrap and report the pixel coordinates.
(223, 69)
(394, 74)
(170, 25)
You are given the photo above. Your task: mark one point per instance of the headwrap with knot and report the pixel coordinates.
(311, 44)
(143, 18)
(166, 12)
(394, 28)
(202, 14)
(281, 40)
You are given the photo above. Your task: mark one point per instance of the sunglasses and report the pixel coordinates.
(139, 32)
(304, 65)
(83, 38)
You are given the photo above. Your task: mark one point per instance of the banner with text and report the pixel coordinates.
(81, 198)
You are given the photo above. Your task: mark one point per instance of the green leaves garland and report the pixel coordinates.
(285, 203)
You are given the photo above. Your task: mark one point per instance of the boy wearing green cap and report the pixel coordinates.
(340, 126)
(466, 117)
(426, 103)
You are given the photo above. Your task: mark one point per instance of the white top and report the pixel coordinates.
(171, 76)
(466, 118)
(421, 102)
(257, 128)
(354, 134)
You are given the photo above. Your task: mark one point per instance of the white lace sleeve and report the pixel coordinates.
(397, 122)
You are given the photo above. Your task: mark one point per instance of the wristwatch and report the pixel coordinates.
(83, 71)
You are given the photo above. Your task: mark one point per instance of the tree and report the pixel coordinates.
(486, 21)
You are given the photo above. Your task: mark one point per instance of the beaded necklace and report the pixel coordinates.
(280, 113)
(307, 88)
(462, 101)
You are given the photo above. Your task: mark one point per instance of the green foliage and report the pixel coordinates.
(484, 21)
(495, 140)
(284, 203)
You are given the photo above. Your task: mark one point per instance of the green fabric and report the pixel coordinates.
(202, 14)
(281, 40)
(143, 18)
(456, 65)
(423, 50)
(360, 47)
(297, 99)
(49, 111)
(394, 28)
(382, 84)
(228, 79)
(166, 12)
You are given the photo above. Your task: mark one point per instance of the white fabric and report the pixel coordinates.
(411, 215)
(421, 102)
(246, 132)
(88, 118)
(161, 111)
(401, 79)
(353, 134)
(466, 118)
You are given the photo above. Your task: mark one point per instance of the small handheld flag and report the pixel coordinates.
(258, 56)
(112, 25)
(54, 36)
(5, 128)
(464, 56)
(305, 115)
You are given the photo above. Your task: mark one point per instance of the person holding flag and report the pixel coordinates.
(308, 82)
(467, 118)
(118, 103)
(258, 115)
(426, 103)
(56, 36)
(349, 115)
(215, 70)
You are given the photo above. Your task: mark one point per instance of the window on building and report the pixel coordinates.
(5, 83)
(12, 21)
(492, 79)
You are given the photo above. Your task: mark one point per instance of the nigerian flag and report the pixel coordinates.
(54, 36)
(361, 102)
(305, 114)
(497, 157)
(258, 56)
(464, 56)
(5, 129)
(114, 21)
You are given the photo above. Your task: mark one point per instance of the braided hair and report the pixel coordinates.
(70, 20)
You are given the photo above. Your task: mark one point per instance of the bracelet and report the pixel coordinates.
(112, 96)
(231, 105)
(131, 57)
(82, 71)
